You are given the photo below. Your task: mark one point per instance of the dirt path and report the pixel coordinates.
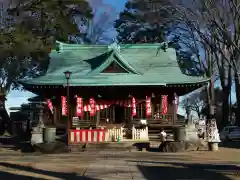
(118, 165)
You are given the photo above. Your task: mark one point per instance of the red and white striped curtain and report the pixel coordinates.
(79, 107)
(92, 106)
(134, 108)
(64, 105)
(50, 105)
(148, 106)
(164, 104)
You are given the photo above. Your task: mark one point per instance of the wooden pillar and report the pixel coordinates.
(174, 109)
(58, 113)
(71, 114)
(97, 118)
(113, 114)
(153, 109)
(54, 115)
(40, 115)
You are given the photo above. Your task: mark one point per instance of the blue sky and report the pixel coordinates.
(118, 4)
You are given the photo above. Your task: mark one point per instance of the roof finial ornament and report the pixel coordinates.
(165, 46)
(114, 46)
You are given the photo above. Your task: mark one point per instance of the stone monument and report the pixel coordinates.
(213, 135)
(38, 125)
(191, 131)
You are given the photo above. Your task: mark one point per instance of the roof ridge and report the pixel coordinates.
(77, 45)
(60, 46)
(145, 45)
(67, 46)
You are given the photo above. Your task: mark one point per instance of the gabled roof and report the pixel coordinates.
(146, 64)
(113, 56)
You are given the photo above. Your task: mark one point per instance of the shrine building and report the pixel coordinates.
(113, 90)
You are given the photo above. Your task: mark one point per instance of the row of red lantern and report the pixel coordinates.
(80, 107)
(87, 108)
(93, 107)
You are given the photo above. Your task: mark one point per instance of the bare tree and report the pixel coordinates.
(195, 102)
(98, 30)
(216, 25)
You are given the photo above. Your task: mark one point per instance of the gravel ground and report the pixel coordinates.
(116, 165)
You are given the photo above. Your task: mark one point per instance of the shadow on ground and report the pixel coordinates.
(17, 143)
(173, 171)
(231, 144)
(20, 170)
(12, 142)
(142, 146)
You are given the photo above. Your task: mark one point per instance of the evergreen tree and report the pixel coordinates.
(143, 21)
(28, 33)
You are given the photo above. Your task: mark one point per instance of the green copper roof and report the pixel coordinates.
(145, 64)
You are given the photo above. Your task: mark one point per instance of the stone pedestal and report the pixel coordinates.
(187, 133)
(49, 135)
(191, 133)
(173, 146)
(213, 146)
(37, 138)
(37, 135)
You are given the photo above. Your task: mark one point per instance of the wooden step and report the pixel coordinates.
(150, 131)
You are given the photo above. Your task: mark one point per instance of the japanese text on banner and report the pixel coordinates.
(134, 108)
(64, 106)
(79, 107)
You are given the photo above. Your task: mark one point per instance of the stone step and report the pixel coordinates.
(150, 131)
(103, 146)
(154, 144)
(153, 136)
(156, 137)
(122, 146)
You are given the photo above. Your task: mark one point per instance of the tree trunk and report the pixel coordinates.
(199, 114)
(237, 90)
(4, 117)
(226, 83)
(211, 99)
(225, 107)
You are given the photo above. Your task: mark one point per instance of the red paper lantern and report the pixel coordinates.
(148, 106)
(134, 109)
(97, 107)
(92, 106)
(87, 108)
(64, 106)
(49, 104)
(79, 107)
(164, 104)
